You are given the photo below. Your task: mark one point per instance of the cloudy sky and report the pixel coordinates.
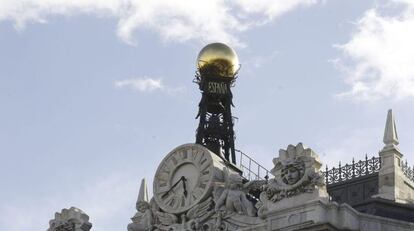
(94, 93)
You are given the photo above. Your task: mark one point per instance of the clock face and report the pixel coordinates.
(183, 178)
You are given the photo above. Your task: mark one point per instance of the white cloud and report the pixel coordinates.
(179, 20)
(141, 84)
(148, 85)
(378, 59)
(272, 9)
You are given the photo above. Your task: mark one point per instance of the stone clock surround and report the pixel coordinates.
(200, 167)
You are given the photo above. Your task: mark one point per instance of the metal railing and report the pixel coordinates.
(352, 171)
(408, 171)
(250, 168)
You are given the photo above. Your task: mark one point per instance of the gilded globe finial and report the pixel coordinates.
(219, 60)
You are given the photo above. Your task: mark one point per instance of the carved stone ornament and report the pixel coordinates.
(142, 220)
(195, 191)
(233, 209)
(193, 219)
(231, 197)
(72, 219)
(296, 172)
(226, 208)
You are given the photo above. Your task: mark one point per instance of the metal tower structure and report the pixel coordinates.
(216, 73)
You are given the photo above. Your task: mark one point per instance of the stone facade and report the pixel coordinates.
(212, 195)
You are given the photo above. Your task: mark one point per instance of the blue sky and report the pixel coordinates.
(95, 93)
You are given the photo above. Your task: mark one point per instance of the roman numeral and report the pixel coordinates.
(162, 177)
(162, 188)
(198, 192)
(184, 154)
(171, 202)
(183, 201)
(194, 197)
(204, 178)
(205, 166)
(196, 154)
(174, 160)
(169, 198)
(166, 169)
(206, 172)
(202, 159)
(177, 202)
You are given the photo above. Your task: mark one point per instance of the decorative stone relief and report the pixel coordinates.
(231, 197)
(142, 220)
(226, 208)
(72, 219)
(296, 171)
(194, 190)
(193, 219)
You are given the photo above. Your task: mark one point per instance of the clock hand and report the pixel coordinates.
(172, 187)
(184, 185)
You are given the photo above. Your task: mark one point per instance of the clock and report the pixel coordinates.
(185, 177)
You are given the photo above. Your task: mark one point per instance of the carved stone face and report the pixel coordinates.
(235, 181)
(291, 175)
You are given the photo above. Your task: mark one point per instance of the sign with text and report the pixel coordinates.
(217, 88)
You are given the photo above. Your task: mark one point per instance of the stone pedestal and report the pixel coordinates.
(393, 184)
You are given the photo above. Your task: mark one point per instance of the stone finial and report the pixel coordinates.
(390, 133)
(72, 219)
(142, 203)
(143, 218)
(143, 192)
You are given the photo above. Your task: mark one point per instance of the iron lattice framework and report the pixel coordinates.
(215, 129)
(352, 171)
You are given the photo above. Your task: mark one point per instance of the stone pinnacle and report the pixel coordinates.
(143, 192)
(390, 133)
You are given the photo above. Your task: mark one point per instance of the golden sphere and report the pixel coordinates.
(218, 59)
